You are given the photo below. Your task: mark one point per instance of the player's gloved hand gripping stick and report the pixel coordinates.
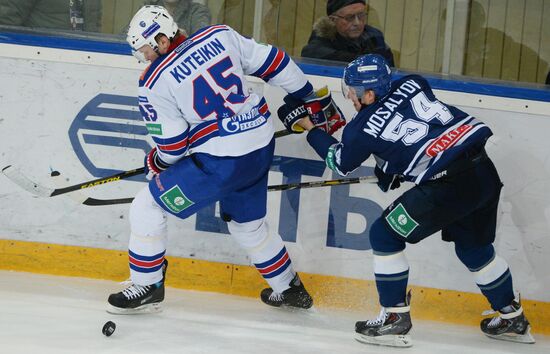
(322, 111)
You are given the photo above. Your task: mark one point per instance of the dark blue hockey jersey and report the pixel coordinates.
(408, 131)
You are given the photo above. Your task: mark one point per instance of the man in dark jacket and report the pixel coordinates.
(344, 34)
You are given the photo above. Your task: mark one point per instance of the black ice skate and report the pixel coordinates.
(511, 325)
(295, 296)
(391, 328)
(139, 299)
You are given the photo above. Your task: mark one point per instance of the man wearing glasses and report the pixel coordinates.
(344, 34)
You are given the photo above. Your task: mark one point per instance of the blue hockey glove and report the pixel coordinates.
(386, 181)
(153, 164)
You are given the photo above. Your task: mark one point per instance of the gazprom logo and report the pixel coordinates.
(109, 127)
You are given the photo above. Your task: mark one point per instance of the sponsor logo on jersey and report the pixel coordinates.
(400, 221)
(154, 129)
(243, 122)
(446, 141)
(175, 200)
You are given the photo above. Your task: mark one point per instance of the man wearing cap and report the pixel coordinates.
(343, 34)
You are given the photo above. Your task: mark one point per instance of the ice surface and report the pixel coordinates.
(49, 314)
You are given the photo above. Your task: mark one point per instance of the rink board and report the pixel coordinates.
(76, 113)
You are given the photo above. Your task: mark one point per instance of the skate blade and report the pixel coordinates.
(148, 308)
(305, 306)
(526, 338)
(390, 340)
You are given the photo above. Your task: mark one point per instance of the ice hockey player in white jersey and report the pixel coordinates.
(441, 149)
(213, 142)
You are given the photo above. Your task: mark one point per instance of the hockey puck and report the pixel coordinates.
(109, 328)
(55, 173)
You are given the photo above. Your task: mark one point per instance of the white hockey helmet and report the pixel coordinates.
(149, 21)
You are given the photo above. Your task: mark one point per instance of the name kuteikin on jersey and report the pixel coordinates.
(192, 61)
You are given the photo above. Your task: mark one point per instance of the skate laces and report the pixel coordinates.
(497, 320)
(274, 296)
(380, 319)
(134, 291)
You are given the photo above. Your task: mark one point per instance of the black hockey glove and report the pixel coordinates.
(386, 181)
(153, 164)
(290, 113)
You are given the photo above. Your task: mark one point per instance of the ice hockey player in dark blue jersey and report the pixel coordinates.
(415, 137)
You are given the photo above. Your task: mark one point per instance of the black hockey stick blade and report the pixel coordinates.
(279, 187)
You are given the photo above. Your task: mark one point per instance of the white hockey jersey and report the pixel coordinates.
(195, 98)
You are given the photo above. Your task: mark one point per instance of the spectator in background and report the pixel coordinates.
(188, 14)
(344, 34)
(548, 78)
(54, 14)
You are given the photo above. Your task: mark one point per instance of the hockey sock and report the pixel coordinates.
(391, 272)
(391, 269)
(147, 246)
(491, 274)
(267, 252)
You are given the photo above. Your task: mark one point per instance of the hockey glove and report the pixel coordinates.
(386, 181)
(153, 164)
(322, 110)
(290, 114)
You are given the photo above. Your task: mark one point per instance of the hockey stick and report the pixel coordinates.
(281, 133)
(279, 187)
(42, 191)
(22, 181)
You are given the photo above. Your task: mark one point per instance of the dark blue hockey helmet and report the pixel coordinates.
(368, 72)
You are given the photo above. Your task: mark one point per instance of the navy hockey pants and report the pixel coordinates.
(463, 206)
